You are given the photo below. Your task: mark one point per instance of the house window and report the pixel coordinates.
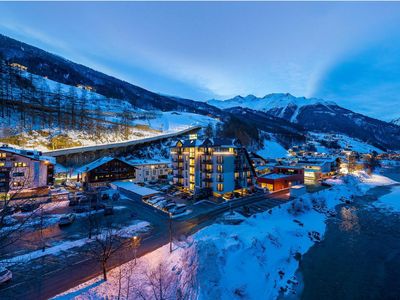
(20, 164)
(220, 159)
(219, 168)
(3, 155)
(2, 164)
(18, 174)
(220, 187)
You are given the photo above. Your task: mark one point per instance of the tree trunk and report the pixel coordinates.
(104, 271)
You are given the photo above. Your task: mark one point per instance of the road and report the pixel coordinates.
(76, 270)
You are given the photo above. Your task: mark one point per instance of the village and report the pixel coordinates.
(152, 201)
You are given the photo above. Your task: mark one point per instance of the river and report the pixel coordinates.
(359, 257)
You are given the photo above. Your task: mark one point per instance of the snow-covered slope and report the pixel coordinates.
(396, 121)
(319, 115)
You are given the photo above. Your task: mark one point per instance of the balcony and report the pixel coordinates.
(207, 161)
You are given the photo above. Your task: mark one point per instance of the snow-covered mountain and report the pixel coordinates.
(318, 115)
(396, 121)
(280, 105)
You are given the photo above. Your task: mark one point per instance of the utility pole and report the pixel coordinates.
(135, 244)
(170, 232)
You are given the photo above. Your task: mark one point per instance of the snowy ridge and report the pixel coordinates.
(270, 101)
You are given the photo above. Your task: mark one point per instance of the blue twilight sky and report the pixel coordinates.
(348, 52)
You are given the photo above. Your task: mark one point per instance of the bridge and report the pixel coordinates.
(81, 155)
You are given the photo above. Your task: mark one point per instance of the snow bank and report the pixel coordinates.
(390, 201)
(128, 231)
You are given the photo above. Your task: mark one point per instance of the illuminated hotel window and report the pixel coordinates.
(220, 187)
(219, 168)
(231, 150)
(3, 155)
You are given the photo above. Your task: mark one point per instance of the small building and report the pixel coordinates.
(18, 66)
(315, 169)
(282, 177)
(105, 170)
(24, 169)
(86, 87)
(133, 191)
(151, 169)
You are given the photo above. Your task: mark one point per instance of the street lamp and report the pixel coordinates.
(170, 232)
(135, 244)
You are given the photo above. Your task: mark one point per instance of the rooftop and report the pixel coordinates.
(275, 176)
(32, 154)
(134, 188)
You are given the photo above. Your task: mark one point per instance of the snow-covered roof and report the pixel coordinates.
(95, 164)
(134, 188)
(140, 162)
(274, 176)
(289, 167)
(32, 154)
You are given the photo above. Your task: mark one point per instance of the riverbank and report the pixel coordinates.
(359, 257)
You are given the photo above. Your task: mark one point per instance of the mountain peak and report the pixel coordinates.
(269, 101)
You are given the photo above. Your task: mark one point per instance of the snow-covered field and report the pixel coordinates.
(272, 149)
(254, 260)
(344, 141)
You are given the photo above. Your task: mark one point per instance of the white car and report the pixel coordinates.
(179, 209)
(5, 275)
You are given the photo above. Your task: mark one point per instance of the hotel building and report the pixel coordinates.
(212, 167)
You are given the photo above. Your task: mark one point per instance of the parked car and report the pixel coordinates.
(5, 275)
(180, 208)
(66, 220)
(108, 210)
(170, 206)
(154, 201)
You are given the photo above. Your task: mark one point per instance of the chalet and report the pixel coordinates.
(282, 177)
(105, 170)
(24, 169)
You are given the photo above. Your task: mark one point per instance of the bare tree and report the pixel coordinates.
(105, 243)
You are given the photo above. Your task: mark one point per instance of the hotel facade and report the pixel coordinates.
(212, 167)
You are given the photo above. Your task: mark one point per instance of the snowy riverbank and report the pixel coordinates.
(253, 260)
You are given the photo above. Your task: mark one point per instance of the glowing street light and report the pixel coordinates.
(135, 245)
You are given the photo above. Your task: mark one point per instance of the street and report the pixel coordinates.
(51, 275)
